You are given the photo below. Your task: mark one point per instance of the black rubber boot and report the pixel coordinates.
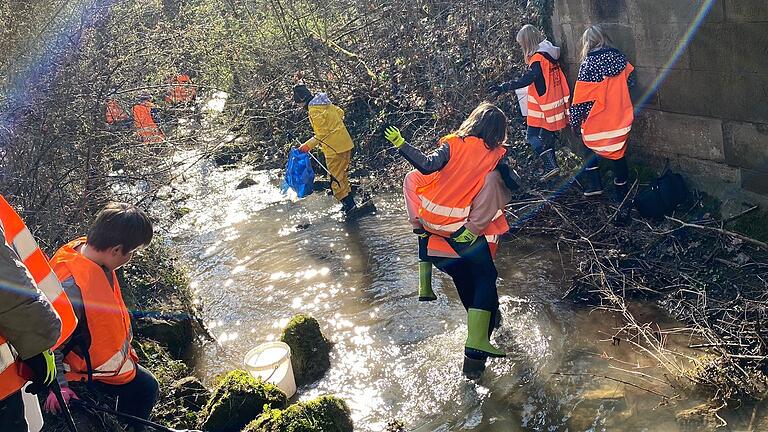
(592, 184)
(473, 368)
(623, 216)
(551, 168)
(348, 203)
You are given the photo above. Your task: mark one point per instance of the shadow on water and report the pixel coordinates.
(257, 258)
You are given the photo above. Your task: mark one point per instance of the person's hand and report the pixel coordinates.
(392, 134)
(51, 404)
(497, 90)
(304, 148)
(41, 370)
(464, 236)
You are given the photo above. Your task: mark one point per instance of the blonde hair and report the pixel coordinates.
(488, 123)
(529, 38)
(594, 38)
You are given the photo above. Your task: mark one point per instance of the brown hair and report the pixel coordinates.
(529, 38)
(486, 122)
(120, 224)
(594, 38)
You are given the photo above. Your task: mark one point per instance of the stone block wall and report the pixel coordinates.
(702, 70)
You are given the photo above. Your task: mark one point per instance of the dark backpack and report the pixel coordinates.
(662, 196)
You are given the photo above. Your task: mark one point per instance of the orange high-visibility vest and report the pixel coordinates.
(446, 201)
(182, 90)
(115, 113)
(112, 359)
(145, 125)
(549, 111)
(18, 236)
(606, 129)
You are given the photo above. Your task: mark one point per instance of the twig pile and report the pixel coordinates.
(713, 280)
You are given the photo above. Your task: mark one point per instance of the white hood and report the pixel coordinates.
(547, 47)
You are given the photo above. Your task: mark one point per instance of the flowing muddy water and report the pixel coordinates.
(257, 258)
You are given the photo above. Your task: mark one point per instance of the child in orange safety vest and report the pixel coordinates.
(548, 95)
(454, 176)
(99, 350)
(602, 113)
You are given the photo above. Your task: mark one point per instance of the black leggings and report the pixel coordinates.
(474, 275)
(620, 169)
(12, 414)
(137, 397)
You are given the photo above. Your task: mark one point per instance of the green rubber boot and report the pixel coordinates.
(477, 335)
(425, 282)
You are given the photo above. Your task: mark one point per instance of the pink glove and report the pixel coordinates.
(304, 148)
(52, 404)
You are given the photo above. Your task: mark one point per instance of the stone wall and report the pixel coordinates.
(708, 115)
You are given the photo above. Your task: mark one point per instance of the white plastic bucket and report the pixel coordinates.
(271, 362)
(522, 99)
(32, 410)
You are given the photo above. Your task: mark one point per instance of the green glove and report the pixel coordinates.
(43, 368)
(464, 236)
(392, 134)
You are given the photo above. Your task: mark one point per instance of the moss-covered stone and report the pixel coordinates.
(324, 414)
(158, 360)
(238, 399)
(310, 350)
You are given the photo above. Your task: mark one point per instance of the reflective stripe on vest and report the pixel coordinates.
(606, 129)
(7, 356)
(10, 381)
(109, 324)
(549, 111)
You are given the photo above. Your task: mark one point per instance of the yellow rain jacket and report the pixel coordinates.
(328, 124)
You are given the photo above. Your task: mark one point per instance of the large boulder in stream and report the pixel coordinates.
(175, 333)
(310, 350)
(238, 399)
(324, 414)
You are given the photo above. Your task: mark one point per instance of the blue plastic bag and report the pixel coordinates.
(299, 175)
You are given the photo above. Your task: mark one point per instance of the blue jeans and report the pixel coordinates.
(540, 139)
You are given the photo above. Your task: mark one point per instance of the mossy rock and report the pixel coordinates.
(238, 399)
(324, 414)
(310, 350)
(176, 333)
(159, 361)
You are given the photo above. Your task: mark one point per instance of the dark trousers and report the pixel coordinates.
(12, 414)
(137, 397)
(540, 139)
(620, 168)
(474, 275)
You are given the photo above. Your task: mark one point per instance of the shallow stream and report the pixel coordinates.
(257, 258)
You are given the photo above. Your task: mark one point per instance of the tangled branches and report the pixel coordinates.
(712, 280)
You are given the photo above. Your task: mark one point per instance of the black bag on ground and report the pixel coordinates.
(662, 196)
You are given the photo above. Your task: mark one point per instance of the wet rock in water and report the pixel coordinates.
(238, 399)
(699, 418)
(395, 426)
(246, 183)
(190, 392)
(175, 334)
(324, 414)
(594, 405)
(310, 350)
